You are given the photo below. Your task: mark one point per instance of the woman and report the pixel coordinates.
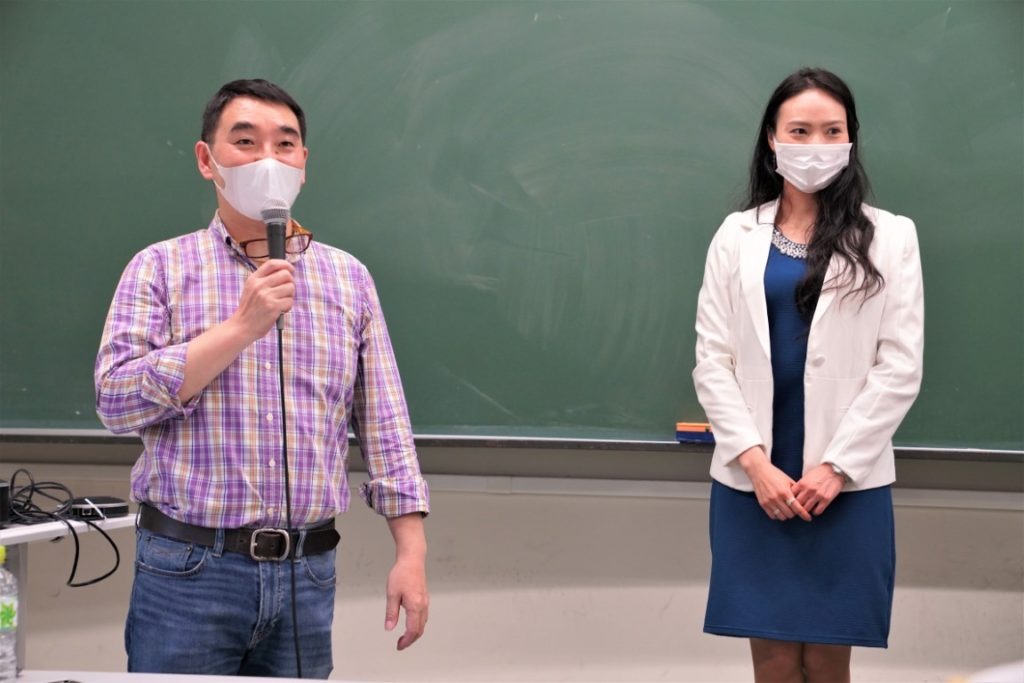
(810, 330)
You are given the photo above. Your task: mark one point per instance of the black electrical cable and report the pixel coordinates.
(288, 497)
(25, 510)
(284, 464)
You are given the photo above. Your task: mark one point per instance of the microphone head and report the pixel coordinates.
(275, 211)
(275, 215)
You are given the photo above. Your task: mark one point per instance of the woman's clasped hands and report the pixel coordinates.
(780, 496)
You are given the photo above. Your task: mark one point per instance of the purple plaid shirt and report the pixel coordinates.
(215, 460)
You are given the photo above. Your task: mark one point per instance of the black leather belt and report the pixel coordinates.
(260, 544)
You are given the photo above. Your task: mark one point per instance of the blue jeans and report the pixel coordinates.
(200, 610)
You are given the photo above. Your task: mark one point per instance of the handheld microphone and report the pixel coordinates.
(275, 214)
(276, 219)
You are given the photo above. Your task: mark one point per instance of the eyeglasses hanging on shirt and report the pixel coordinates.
(295, 243)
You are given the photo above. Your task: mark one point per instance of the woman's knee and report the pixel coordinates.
(776, 660)
(826, 663)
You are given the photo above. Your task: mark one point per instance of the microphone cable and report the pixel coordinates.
(288, 496)
(276, 218)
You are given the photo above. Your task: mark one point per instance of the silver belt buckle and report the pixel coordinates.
(254, 540)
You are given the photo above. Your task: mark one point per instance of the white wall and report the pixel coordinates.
(605, 583)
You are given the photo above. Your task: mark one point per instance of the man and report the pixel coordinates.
(189, 359)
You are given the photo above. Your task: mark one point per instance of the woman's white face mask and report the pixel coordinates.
(811, 167)
(263, 184)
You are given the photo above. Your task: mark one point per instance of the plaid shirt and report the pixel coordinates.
(215, 460)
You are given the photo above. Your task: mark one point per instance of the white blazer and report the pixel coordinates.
(864, 358)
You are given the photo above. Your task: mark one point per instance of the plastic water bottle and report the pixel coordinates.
(8, 621)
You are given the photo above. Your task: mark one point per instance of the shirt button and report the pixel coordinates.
(818, 361)
(270, 511)
(270, 417)
(267, 365)
(271, 463)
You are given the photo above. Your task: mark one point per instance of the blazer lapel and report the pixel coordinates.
(753, 258)
(828, 291)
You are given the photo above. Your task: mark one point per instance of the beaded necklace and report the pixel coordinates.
(788, 246)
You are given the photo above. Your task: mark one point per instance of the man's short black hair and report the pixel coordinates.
(256, 88)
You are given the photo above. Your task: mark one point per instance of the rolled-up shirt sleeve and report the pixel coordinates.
(381, 420)
(138, 370)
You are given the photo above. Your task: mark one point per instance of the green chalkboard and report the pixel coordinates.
(533, 184)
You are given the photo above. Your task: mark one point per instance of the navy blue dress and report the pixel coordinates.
(828, 581)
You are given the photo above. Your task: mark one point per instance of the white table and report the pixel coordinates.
(17, 537)
(19, 534)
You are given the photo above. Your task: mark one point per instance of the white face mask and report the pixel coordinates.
(263, 184)
(811, 167)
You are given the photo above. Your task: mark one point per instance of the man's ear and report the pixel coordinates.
(204, 160)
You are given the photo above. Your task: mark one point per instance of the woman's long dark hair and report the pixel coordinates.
(841, 227)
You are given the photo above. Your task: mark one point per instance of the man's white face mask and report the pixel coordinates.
(811, 167)
(263, 184)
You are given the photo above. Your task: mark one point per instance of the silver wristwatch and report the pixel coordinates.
(839, 470)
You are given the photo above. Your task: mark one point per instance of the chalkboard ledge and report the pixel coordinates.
(101, 437)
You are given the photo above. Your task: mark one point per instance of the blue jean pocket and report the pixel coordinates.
(320, 568)
(164, 556)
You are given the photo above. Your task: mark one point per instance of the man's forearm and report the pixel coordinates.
(208, 355)
(410, 540)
